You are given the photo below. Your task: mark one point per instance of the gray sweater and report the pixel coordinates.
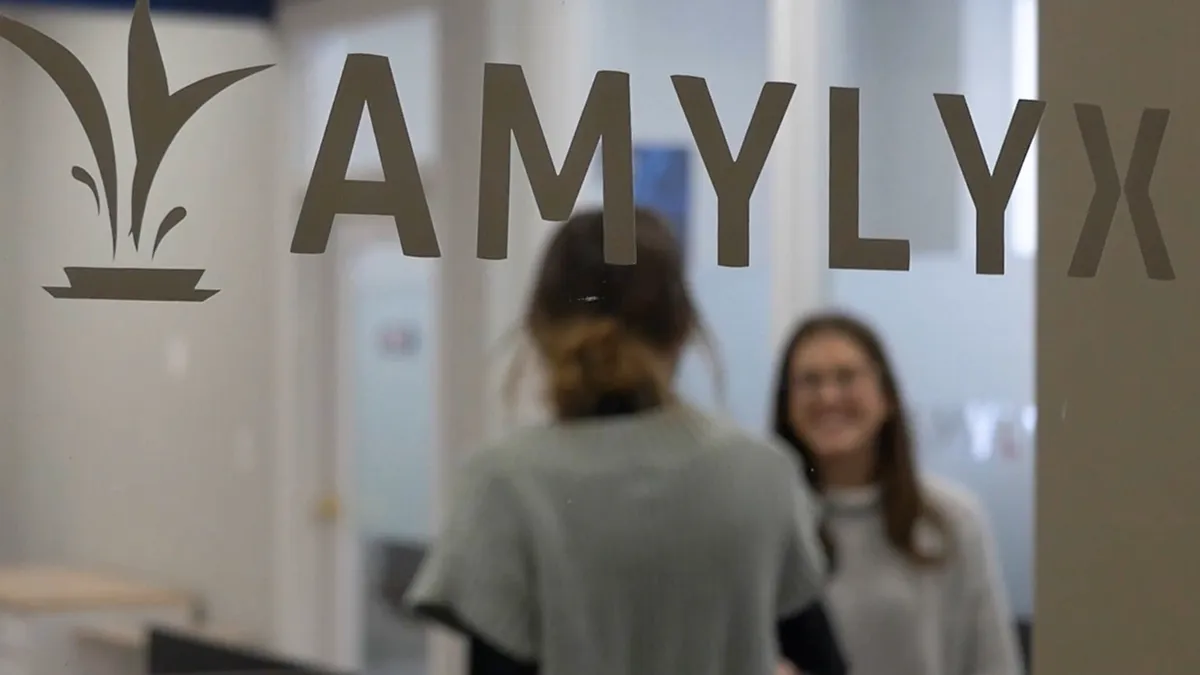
(894, 619)
(659, 543)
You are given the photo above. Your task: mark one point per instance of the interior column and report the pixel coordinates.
(801, 44)
(1118, 494)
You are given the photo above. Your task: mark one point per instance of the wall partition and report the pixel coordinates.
(1118, 486)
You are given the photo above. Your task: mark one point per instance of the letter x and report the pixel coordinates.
(1092, 239)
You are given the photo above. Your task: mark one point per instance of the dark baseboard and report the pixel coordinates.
(1025, 635)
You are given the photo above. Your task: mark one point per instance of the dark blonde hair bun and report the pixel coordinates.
(608, 336)
(595, 364)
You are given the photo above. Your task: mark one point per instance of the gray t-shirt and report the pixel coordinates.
(666, 542)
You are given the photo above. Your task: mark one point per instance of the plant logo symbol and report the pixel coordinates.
(156, 116)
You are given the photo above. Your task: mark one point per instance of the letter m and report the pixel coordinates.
(509, 115)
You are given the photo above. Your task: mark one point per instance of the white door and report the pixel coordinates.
(383, 460)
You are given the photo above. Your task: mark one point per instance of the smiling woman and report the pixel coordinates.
(915, 586)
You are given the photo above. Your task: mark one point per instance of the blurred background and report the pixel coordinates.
(275, 454)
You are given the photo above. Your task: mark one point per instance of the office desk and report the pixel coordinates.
(42, 608)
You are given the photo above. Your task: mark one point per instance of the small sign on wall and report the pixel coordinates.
(399, 340)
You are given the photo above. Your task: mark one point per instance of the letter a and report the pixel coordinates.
(366, 84)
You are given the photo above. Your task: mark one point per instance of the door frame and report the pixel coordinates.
(346, 577)
(342, 576)
(323, 490)
(308, 619)
(329, 475)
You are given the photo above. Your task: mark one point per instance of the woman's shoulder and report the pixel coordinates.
(722, 432)
(961, 508)
(512, 447)
(687, 428)
(952, 497)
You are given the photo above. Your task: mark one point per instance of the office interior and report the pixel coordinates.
(267, 466)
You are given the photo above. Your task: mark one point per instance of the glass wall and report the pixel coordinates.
(245, 425)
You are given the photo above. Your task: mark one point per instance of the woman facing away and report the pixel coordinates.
(914, 582)
(633, 535)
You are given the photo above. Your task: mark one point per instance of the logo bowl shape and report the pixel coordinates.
(132, 283)
(156, 116)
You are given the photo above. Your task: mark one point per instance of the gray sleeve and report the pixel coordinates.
(991, 644)
(478, 577)
(802, 575)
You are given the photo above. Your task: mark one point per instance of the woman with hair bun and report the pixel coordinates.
(632, 535)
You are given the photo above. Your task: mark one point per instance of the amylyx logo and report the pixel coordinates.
(156, 116)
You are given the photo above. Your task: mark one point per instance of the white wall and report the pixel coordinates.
(116, 460)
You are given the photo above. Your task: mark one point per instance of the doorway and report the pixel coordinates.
(363, 315)
(384, 460)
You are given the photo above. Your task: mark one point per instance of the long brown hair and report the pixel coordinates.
(609, 335)
(904, 503)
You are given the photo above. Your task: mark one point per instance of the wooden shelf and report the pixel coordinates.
(51, 589)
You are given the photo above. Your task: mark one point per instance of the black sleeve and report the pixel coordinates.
(808, 641)
(486, 660)
(805, 639)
